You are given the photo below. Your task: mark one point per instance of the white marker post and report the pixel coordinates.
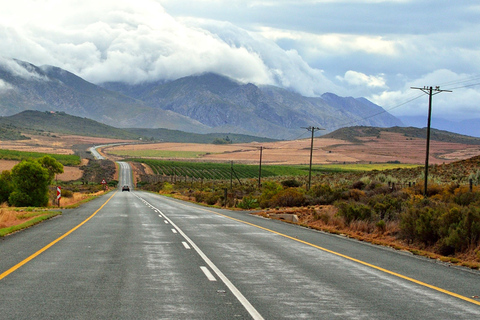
(59, 195)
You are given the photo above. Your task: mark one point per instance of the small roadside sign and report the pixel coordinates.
(104, 183)
(59, 195)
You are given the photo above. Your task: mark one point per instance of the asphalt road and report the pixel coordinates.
(143, 256)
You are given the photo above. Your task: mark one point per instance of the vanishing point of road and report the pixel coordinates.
(139, 255)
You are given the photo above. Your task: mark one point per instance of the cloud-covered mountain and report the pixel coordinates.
(200, 103)
(230, 106)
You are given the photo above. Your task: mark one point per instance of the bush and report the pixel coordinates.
(420, 223)
(248, 203)
(269, 190)
(67, 193)
(351, 211)
(292, 183)
(324, 194)
(464, 197)
(290, 197)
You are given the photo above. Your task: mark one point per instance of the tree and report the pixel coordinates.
(6, 185)
(31, 182)
(52, 165)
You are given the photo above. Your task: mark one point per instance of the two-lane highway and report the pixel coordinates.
(143, 256)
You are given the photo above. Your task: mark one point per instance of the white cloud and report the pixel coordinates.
(371, 48)
(122, 41)
(460, 104)
(360, 79)
(5, 86)
(24, 71)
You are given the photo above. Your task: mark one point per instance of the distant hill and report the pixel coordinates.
(167, 135)
(353, 133)
(59, 122)
(468, 127)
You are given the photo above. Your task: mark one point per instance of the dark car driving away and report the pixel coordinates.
(125, 188)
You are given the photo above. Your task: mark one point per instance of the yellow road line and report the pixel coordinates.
(36, 254)
(453, 294)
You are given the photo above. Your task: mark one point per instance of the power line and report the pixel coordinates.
(431, 92)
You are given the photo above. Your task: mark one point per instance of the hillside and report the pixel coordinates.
(352, 134)
(167, 135)
(59, 122)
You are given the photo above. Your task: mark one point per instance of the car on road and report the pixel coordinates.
(125, 188)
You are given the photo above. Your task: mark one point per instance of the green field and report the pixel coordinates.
(66, 160)
(221, 171)
(157, 153)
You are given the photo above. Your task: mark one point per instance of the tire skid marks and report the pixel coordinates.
(188, 244)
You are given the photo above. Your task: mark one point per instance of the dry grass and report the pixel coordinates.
(78, 198)
(324, 218)
(8, 217)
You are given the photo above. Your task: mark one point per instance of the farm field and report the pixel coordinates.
(387, 147)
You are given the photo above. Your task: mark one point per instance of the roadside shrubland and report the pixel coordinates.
(385, 207)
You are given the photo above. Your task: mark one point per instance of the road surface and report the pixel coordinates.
(137, 255)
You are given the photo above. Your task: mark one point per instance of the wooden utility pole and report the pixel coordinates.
(260, 169)
(312, 129)
(431, 92)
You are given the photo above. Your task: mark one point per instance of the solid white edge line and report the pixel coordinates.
(208, 274)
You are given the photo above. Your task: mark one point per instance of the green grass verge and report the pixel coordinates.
(66, 160)
(39, 218)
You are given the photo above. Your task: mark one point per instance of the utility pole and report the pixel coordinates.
(431, 92)
(260, 169)
(312, 129)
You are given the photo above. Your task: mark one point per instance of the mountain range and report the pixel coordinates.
(202, 103)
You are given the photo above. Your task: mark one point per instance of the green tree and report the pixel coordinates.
(6, 185)
(53, 166)
(31, 182)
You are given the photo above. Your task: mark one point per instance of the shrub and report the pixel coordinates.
(387, 206)
(324, 194)
(381, 226)
(199, 196)
(292, 183)
(248, 203)
(464, 197)
(351, 211)
(420, 223)
(358, 185)
(356, 194)
(290, 197)
(67, 193)
(269, 190)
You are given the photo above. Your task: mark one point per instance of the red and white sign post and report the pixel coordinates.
(59, 195)
(104, 183)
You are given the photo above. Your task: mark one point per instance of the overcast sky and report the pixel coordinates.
(376, 49)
